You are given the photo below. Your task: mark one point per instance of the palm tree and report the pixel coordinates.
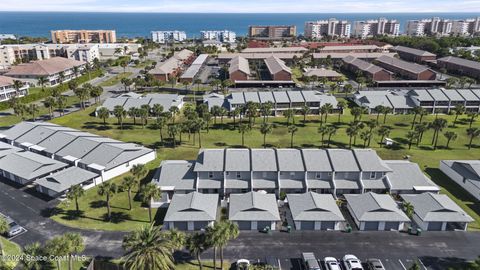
(160, 125)
(133, 113)
(243, 128)
(196, 245)
(365, 136)
(292, 130)
(214, 235)
(33, 250)
(341, 105)
(143, 113)
(120, 114)
(4, 227)
(49, 103)
(148, 193)
(139, 171)
(437, 125)
(74, 193)
(103, 113)
(472, 116)
(332, 130)
(174, 110)
(157, 110)
(61, 103)
(265, 129)
(76, 246)
(107, 189)
(58, 247)
(128, 183)
(411, 136)
(96, 92)
(409, 209)
(357, 113)
(42, 80)
(288, 114)
(229, 231)
(420, 129)
(323, 130)
(148, 248)
(417, 110)
(17, 85)
(379, 109)
(236, 112)
(305, 110)
(386, 111)
(451, 136)
(472, 133)
(327, 109)
(172, 132)
(177, 237)
(33, 110)
(265, 110)
(458, 110)
(383, 132)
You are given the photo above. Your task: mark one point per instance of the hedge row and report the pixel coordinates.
(48, 91)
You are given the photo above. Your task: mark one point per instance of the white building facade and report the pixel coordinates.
(163, 37)
(222, 35)
(381, 26)
(331, 27)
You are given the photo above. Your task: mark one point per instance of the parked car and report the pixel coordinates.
(243, 264)
(351, 262)
(331, 263)
(272, 263)
(310, 262)
(14, 228)
(375, 264)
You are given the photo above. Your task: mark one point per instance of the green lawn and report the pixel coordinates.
(223, 135)
(193, 265)
(11, 249)
(116, 79)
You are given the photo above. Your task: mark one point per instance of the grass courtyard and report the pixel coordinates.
(115, 79)
(11, 249)
(224, 135)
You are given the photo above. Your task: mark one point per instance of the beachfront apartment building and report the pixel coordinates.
(377, 27)
(163, 37)
(272, 32)
(219, 35)
(83, 36)
(443, 27)
(331, 27)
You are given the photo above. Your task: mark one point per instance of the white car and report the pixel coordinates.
(243, 264)
(351, 262)
(331, 263)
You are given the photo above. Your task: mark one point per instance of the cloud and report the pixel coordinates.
(241, 6)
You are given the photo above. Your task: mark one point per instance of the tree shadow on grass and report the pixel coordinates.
(51, 211)
(98, 204)
(455, 189)
(72, 215)
(221, 144)
(401, 125)
(117, 217)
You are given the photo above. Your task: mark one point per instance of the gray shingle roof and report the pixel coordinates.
(275, 65)
(40, 133)
(407, 175)
(210, 160)
(343, 160)
(193, 206)
(438, 95)
(422, 95)
(266, 96)
(346, 184)
(251, 96)
(369, 161)
(237, 160)
(213, 100)
(362, 65)
(295, 96)
(239, 63)
(453, 95)
(65, 179)
(110, 103)
(375, 207)
(237, 183)
(290, 160)
(431, 207)
(60, 139)
(312, 206)
(461, 62)
(28, 165)
(413, 51)
(21, 128)
(253, 206)
(411, 67)
(467, 94)
(281, 97)
(400, 101)
(292, 183)
(111, 155)
(264, 160)
(175, 175)
(469, 169)
(237, 98)
(321, 72)
(316, 160)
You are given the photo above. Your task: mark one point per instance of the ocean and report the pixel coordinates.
(39, 24)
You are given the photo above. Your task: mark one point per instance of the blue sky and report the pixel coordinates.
(249, 6)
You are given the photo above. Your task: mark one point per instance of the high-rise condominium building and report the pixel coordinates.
(381, 26)
(442, 27)
(222, 36)
(331, 27)
(168, 36)
(272, 32)
(83, 36)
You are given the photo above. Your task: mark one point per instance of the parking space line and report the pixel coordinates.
(423, 265)
(400, 261)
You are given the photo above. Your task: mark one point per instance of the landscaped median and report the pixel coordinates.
(115, 79)
(224, 135)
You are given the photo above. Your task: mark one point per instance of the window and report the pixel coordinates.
(210, 174)
(292, 174)
(227, 173)
(372, 175)
(329, 174)
(239, 175)
(318, 175)
(264, 174)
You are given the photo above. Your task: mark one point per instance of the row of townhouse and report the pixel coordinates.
(281, 100)
(332, 171)
(173, 66)
(46, 145)
(432, 100)
(8, 90)
(134, 100)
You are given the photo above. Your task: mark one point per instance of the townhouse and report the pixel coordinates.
(192, 71)
(106, 157)
(290, 171)
(466, 173)
(278, 69)
(137, 101)
(55, 70)
(368, 56)
(414, 55)
(369, 70)
(258, 58)
(239, 70)
(460, 66)
(329, 74)
(8, 90)
(432, 100)
(173, 66)
(254, 211)
(281, 100)
(405, 69)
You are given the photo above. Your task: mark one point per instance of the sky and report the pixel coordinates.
(244, 6)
